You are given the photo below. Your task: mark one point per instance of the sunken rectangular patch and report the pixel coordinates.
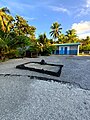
(50, 69)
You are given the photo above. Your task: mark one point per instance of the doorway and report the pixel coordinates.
(65, 51)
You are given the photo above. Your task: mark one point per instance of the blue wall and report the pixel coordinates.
(73, 52)
(69, 52)
(67, 49)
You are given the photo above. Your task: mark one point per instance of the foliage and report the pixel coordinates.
(3, 49)
(55, 30)
(42, 38)
(3, 45)
(45, 45)
(71, 36)
(6, 20)
(22, 41)
(48, 49)
(34, 47)
(21, 27)
(85, 44)
(62, 38)
(12, 53)
(15, 34)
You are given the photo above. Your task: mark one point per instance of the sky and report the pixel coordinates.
(71, 14)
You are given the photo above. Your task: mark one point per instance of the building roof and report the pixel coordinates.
(67, 44)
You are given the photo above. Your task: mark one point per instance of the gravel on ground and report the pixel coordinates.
(25, 97)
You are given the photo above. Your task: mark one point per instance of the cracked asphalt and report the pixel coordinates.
(28, 95)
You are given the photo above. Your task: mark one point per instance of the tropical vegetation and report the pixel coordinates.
(17, 37)
(55, 30)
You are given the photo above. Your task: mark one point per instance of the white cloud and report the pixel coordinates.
(59, 9)
(83, 35)
(29, 18)
(82, 28)
(88, 3)
(84, 9)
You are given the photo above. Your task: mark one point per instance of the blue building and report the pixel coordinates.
(67, 49)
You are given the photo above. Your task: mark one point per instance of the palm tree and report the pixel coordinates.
(42, 38)
(62, 38)
(72, 36)
(5, 10)
(5, 19)
(55, 30)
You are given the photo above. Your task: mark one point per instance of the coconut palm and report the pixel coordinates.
(42, 38)
(5, 10)
(5, 19)
(55, 30)
(72, 36)
(62, 38)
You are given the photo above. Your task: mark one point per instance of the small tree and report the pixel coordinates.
(85, 44)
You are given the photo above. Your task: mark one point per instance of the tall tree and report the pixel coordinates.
(42, 38)
(72, 36)
(22, 27)
(55, 30)
(6, 19)
(62, 38)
